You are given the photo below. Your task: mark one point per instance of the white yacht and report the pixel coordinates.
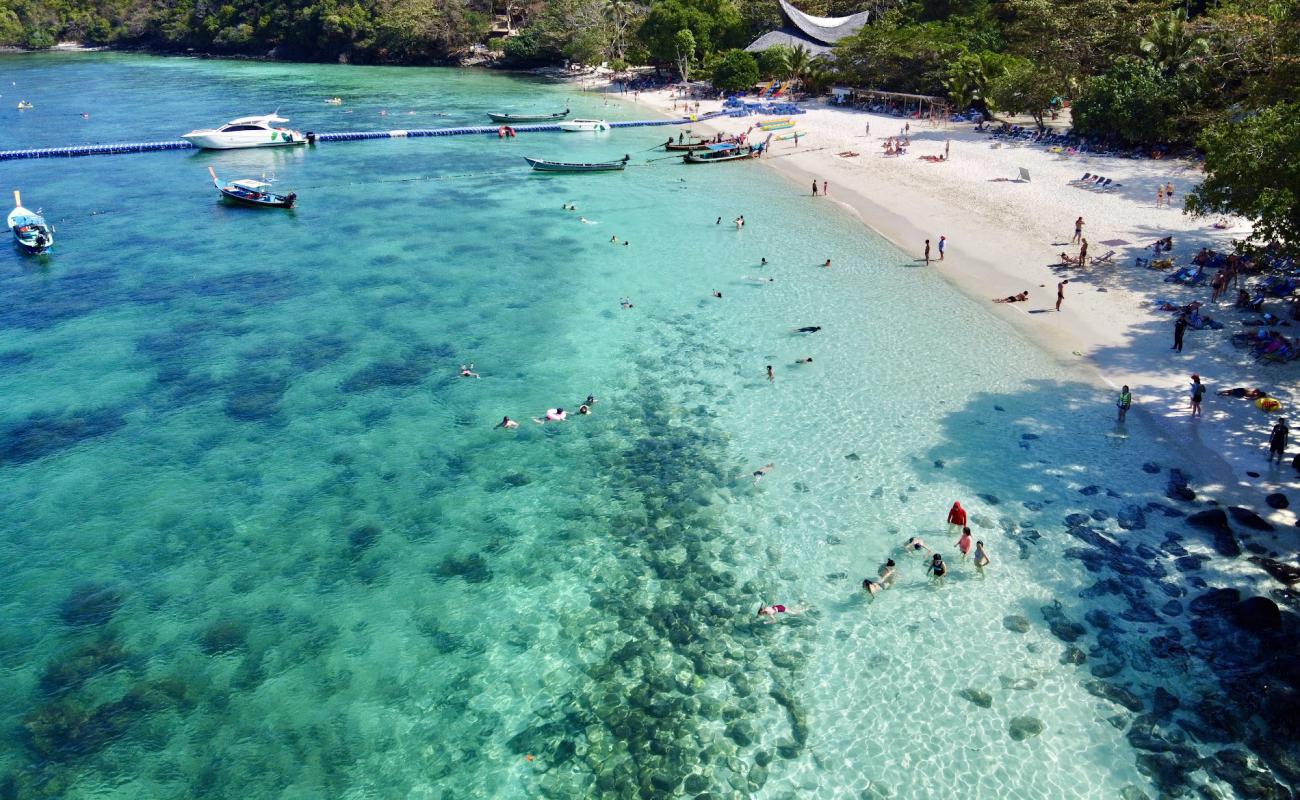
(584, 125)
(246, 132)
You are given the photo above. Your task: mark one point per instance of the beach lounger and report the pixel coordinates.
(1086, 177)
(1108, 258)
(1110, 187)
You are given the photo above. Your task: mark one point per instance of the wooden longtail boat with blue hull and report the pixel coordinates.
(32, 234)
(508, 119)
(253, 193)
(542, 165)
(724, 152)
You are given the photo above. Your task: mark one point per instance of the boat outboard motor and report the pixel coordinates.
(291, 197)
(311, 137)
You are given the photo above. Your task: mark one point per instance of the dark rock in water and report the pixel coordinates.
(1139, 611)
(90, 604)
(1067, 631)
(695, 783)
(43, 434)
(1101, 588)
(1215, 601)
(1171, 589)
(1188, 563)
(988, 498)
(1164, 703)
(516, 479)
(978, 697)
(1076, 520)
(1168, 511)
(1277, 500)
(1029, 437)
(1166, 647)
(382, 374)
(473, 568)
(1151, 468)
(1098, 619)
(1133, 793)
(362, 537)
(70, 672)
(1225, 544)
(1147, 552)
(1257, 614)
(1167, 772)
(1172, 608)
(1099, 514)
(1249, 519)
(1032, 505)
(1089, 491)
(1073, 655)
(1017, 684)
(741, 732)
(1114, 693)
(1022, 728)
(255, 397)
(1107, 669)
(1177, 488)
(1252, 473)
(853, 457)
(1211, 519)
(1286, 573)
(1132, 518)
(998, 408)
(1016, 623)
(1236, 768)
(223, 636)
(938, 463)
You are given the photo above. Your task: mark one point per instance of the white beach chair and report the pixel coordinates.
(1024, 175)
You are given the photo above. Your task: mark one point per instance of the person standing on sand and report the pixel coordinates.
(1083, 252)
(942, 241)
(826, 188)
(1060, 293)
(947, 143)
(1078, 231)
(927, 251)
(1160, 196)
(1169, 194)
(1124, 402)
(814, 187)
(1277, 440)
(1197, 392)
(1180, 327)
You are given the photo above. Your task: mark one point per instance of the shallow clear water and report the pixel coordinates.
(261, 541)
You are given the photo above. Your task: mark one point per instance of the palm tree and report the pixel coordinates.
(620, 14)
(797, 63)
(1172, 45)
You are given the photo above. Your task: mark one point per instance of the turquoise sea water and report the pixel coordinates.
(260, 540)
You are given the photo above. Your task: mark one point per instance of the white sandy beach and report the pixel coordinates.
(1004, 235)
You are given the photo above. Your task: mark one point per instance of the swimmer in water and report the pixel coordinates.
(507, 423)
(613, 240)
(740, 222)
(591, 400)
(981, 556)
(761, 471)
(586, 221)
(916, 545)
(771, 611)
(827, 264)
(552, 415)
(626, 302)
(809, 329)
(937, 568)
(807, 360)
(963, 544)
(584, 409)
(770, 375)
(467, 371)
(872, 587)
(717, 294)
(753, 279)
(719, 222)
(762, 262)
(887, 573)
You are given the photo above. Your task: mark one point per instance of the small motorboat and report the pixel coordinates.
(724, 152)
(581, 125)
(23, 105)
(542, 165)
(253, 193)
(246, 132)
(31, 233)
(510, 119)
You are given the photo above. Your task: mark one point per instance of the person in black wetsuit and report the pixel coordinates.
(809, 329)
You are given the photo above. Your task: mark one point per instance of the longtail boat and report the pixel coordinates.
(253, 193)
(541, 165)
(31, 233)
(695, 144)
(513, 118)
(723, 152)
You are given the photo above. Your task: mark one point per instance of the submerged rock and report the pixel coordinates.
(1249, 519)
(223, 636)
(473, 568)
(1286, 573)
(1257, 614)
(1022, 728)
(1211, 519)
(1215, 601)
(980, 698)
(1277, 500)
(90, 604)
(1073, 655)
(1237, 769)
(1115, 694)
(1132, 518)
(43, 434)
(1016, 623)
(1067, 631)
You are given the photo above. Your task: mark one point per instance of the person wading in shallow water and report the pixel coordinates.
(1125, 401)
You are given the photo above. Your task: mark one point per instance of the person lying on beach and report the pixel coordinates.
(932, 159)
(507, 423)
(848, 154)
(552, 415)
(916, 545)
(763, 470)
(1015, 298)
(771, 611)
(467, 371)
(1066, 258)
(1241, 391)
(808, 329)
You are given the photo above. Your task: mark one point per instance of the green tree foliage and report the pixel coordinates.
(1252, 170)
(1133, 102)
(1173, 46)
(684, 52)
(737, 71)
(715, 25)
(969, 77)
(898, 55)
(774, 61)
(1024, 87)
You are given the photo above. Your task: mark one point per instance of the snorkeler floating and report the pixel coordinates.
(763, 470)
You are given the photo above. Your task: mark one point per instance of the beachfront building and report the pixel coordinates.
(818, 34)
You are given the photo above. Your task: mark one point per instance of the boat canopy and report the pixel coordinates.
(724, 146)
(264, 118)
(250, 185)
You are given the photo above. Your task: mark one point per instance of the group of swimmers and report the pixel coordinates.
(888, 571)
(551, 415)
